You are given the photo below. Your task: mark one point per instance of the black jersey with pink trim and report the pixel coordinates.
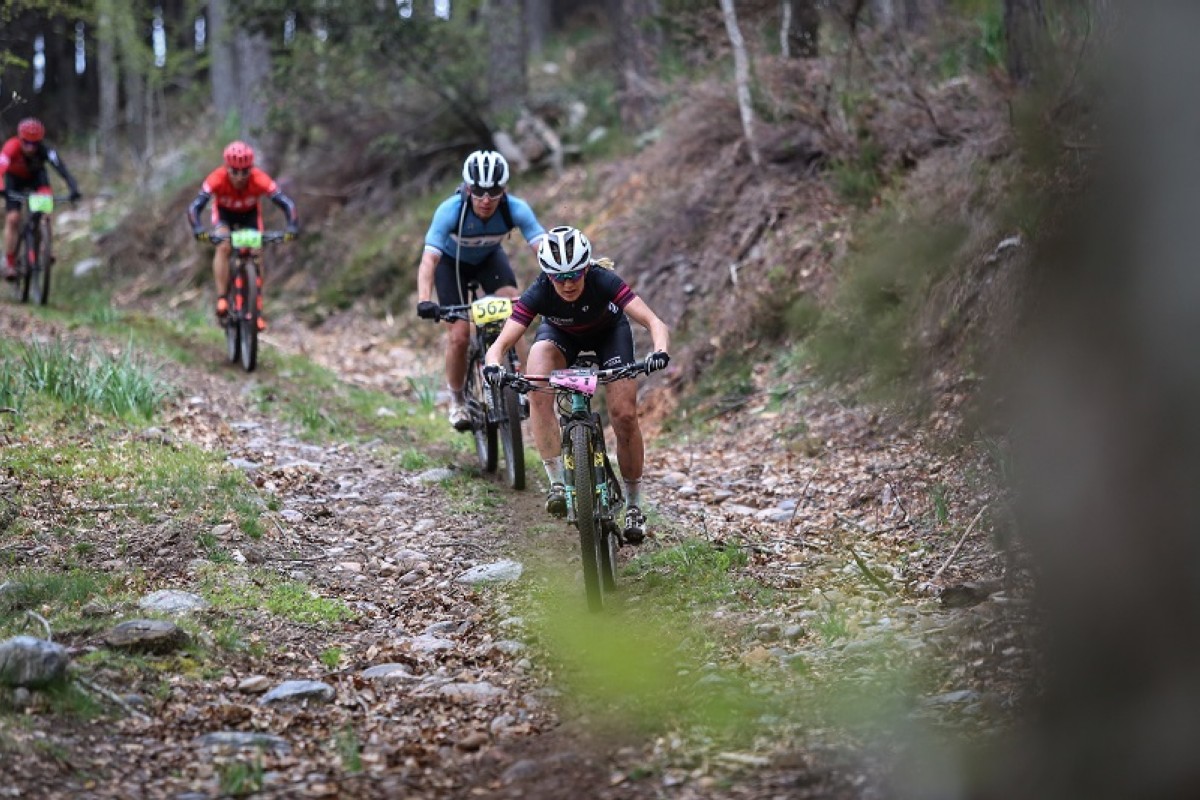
(598, 308)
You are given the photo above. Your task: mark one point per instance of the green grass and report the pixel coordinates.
(348, 748)
(49, 593)
(121, 386)
(331, 657)
(240, 778)
(233, 588)
(691, 573)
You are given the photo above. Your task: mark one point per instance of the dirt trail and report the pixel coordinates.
(466, 712)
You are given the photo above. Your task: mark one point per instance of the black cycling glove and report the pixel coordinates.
(657, 360)
(427, 309)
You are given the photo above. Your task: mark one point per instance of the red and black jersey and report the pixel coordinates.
(219, 186)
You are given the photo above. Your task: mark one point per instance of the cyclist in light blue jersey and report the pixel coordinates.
(463, 244)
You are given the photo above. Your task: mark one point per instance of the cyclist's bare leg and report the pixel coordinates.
(12, 221)
(457, 340)
(543, 358)
(621, 397)
(221, 262)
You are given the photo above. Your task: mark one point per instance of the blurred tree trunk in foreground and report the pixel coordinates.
(221, 73)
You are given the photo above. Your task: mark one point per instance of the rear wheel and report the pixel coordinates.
(590, 533)
(39, 282)
(248, 316)
(233, 327)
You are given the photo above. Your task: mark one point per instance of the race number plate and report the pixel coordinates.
(487, 310)
(41, 203)
(575, 380)
(247, 238)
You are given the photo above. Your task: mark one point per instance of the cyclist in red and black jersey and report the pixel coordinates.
(584, 307)
(238, 187)
(23, 161)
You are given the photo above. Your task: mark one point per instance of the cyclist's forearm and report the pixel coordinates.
(196, 207)
(510, 334)
(425, 272)
(289, 208)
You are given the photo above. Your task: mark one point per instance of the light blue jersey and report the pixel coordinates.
(480, 238)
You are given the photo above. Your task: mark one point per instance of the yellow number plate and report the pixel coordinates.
(491, 309)
(247, 238)
(41, 203)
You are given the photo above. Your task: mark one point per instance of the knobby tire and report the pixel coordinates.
(510, 437)
(233, 327)
(25, 264)
(40, 280)
(483, 429)
(248, 318)
(590, 533)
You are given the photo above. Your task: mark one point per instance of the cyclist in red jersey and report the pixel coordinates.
(23, 161)
(238, 187)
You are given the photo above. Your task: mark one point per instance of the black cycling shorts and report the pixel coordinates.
(14, 184)
(491, 273)
(238, 220)
(613, 346)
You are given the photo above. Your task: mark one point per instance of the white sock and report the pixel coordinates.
(633, 493)
(554, 469)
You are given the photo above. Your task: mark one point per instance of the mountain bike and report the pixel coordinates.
(594, 496)
(496, 414)
(35, 247)
(244, 293)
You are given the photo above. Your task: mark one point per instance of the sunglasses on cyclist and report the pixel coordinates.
(239, 172)
(566, 277)
(494, 191)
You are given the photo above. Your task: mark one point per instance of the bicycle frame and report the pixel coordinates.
(35, 245)
(244, 292)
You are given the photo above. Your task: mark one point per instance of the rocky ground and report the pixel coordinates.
(865, 542)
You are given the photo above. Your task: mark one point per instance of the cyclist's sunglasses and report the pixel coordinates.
(566, 277)
(239, 172)
(494, 191)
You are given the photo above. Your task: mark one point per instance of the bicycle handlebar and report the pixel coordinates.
(268, 237)
(58, 198)
(454, 313)
(525, 383)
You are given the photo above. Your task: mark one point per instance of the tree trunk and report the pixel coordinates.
(635, 99)
(507, 86)
(221, 65)
(537, 24)
(252, 73)
(741, 67)
(110, 78)
(799, 35)
(1024, 30)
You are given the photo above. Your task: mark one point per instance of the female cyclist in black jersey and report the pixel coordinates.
(584, 308)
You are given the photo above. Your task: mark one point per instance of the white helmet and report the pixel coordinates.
(565, 249)
(485, 168)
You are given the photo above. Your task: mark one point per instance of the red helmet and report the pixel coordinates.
(239, 155)
(31, 129)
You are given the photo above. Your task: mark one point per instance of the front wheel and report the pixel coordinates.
(591, 534)
(26, 263)
(510, 436)
(248, 315)
(482, 429)
(40, 279)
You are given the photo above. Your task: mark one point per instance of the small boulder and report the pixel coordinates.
(31, 662)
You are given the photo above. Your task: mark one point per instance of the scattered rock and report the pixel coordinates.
(239, 740)
(172, 601)
(388, 672)
(501, 571)
(478, 692)
(147, 636)
(31, 662)
(255, 684)
(435, 475)
(298, 691)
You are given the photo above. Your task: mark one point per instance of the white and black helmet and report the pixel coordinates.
(565, 249)
(485, 168)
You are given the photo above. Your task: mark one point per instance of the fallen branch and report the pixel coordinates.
(871, 576)
(45, 624)
(958, 546)
(111, 696)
